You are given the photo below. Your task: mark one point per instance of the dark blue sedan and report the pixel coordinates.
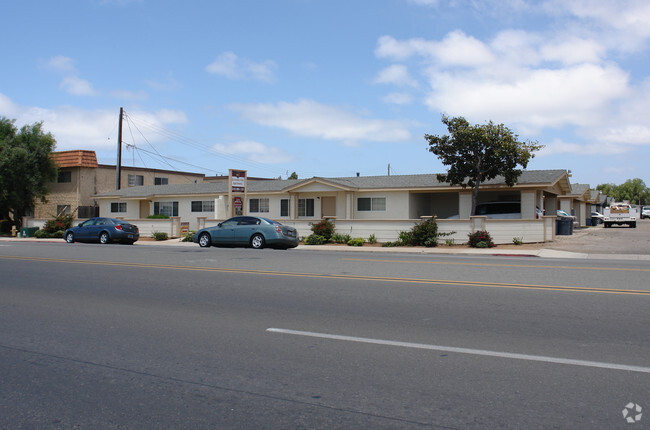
(103, 230)
(250, 231)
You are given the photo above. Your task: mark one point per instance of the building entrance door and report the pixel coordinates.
(328, 207)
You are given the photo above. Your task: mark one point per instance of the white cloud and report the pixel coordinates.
(77, 86)
(539, 98)
(76, 128)
(397, 74)
(255, 151)
(456, 49)
(233, 67)
(62, 64)
(308, 118)
(398, 98)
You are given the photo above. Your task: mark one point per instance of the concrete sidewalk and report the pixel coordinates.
(520, 251)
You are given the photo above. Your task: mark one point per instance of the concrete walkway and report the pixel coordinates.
(519, 251)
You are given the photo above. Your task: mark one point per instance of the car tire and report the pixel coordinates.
(204, 240)
(69, 237)
(104, 238)
(257, 241)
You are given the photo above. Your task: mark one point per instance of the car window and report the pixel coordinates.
(230, 222)
(88, 223)
(247, 220)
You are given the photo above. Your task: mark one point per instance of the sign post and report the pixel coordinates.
(237, 192)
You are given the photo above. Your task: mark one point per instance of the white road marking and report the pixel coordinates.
(556, 360)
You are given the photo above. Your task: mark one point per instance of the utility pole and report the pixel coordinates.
(388, 169)
(118, 170)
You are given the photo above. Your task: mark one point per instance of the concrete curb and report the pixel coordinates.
(542, 253)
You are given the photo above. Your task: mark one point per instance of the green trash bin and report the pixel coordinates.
(563, 226)
(28, 231)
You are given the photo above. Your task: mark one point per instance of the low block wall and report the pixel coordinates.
(502, 231)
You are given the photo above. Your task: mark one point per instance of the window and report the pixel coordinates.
(161, 181)
(118, 207)
(64, 176)
(136, 180)
(284, 207)
(88, 211)
(62, 210)
(305, 207)
(258, 205)
(165, 208)
(203, 206)
(371, 204)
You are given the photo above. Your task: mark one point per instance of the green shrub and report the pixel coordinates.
(480, 239)
(160, 235)
(324, 228)
(390, 244)
(405, 238)
(159, 216)
(518, 240)
(426, 233)
(357, 241)
(340, 238)
(189, 237)
(315, 239)
(42, 234)
(58, 223)
(449, 242)
(372, 239)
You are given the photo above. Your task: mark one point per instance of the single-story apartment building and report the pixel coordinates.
(360, 205)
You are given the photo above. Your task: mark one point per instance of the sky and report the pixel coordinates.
(332, 88)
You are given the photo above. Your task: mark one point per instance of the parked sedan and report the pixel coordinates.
(600, 217)
(250, 231)
(103, 230)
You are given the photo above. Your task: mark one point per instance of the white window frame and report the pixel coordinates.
(262, 205)
(285, 211)
(206, 206)
(303, 208)
(120, 207)
(377, 204)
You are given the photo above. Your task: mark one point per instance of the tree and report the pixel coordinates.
(25, 168)
(478, 153)
(633, 190)
(294, 175)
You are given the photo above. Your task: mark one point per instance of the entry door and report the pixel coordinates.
(328, 206)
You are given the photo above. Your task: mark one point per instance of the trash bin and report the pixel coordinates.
(28, 231)
(594, 222)
(563, 226)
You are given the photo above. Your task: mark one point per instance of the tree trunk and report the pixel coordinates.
(474, 198)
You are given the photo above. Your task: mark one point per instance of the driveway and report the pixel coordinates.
(600, 240)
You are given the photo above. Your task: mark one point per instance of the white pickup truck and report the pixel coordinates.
(620, 213)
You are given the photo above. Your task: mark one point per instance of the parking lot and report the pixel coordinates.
(600, 240)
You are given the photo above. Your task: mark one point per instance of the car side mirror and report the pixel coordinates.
(220, 225)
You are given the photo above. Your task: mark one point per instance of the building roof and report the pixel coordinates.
(356, 183)
(77, 158)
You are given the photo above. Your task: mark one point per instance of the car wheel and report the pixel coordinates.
(69, 237)
(103, 238)
(204, 240)
(257, 241)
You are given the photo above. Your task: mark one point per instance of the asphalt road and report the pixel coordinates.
(181, 337)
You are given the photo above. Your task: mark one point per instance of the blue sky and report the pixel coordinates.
(332, 88)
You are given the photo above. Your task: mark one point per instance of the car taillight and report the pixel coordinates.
(118, 227)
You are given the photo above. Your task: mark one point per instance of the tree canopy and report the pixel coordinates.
(25, 168)
(633, 190)
(477, 153)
